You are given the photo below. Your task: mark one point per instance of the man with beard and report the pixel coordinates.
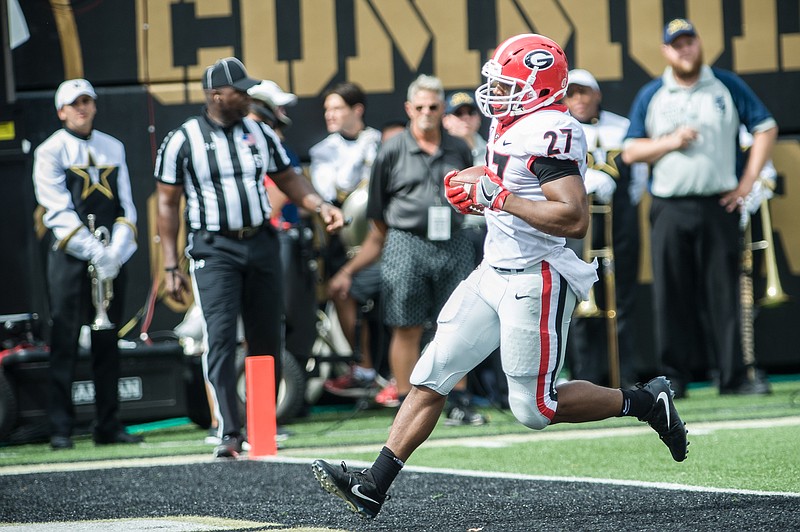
(218, 161)
(686, 125)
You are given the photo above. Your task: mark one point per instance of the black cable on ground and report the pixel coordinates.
(361, 405)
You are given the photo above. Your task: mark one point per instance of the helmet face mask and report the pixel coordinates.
(526, 73)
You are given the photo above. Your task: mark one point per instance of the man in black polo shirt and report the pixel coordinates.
(218, 161)
(425, 254)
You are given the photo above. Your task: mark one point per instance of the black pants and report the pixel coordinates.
(71, 307)
(696, 264)
(233, 277)
(587, 347)
(299, 290)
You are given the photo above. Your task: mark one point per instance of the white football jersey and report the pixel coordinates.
(553, 133)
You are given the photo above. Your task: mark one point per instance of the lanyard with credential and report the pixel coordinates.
(439, 215)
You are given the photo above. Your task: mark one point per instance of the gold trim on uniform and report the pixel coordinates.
(94, 178)
(38, 222)
(609, 167)
(61, 244)
(127, 222)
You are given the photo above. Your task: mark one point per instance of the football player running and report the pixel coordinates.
(522, 295)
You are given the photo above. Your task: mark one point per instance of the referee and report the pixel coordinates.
(218, 161)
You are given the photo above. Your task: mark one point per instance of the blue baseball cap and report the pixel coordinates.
(676, 28)
(458, 100)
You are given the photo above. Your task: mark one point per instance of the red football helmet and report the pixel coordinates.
(526, 73)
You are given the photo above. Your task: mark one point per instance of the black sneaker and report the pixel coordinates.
(356, 488)
(229, 447)
(58, 443)
(351, 385)
(117, 437)
(757, 384)
(460, 412)
(664, 418)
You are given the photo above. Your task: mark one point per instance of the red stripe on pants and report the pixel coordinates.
(544, 347)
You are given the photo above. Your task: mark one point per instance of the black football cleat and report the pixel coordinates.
(664, 418)
(356, 488)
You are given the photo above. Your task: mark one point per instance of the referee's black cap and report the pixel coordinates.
(228, 72)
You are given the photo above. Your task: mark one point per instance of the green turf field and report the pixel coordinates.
(736, 442)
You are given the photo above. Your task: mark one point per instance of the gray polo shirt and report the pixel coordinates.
(715, 106)
(406, 181)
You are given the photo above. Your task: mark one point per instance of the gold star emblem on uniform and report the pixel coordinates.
(95, 178)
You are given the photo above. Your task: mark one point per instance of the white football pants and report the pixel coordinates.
(525, 312)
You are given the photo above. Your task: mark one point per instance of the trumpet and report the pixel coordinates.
(774, 295)
(102, 291)
(589, 308)
(354, 209)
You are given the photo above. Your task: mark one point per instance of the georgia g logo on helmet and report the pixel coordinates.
(539, 59)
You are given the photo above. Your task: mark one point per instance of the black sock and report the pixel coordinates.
(636, 402)
(385, 469)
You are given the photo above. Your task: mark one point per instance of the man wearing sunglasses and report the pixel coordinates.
(462, 120)
(425, 253)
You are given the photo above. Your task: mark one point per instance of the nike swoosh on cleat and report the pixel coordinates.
(663, 397)
(357, 492)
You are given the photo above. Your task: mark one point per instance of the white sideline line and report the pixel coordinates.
(90, 465)
(503, 440)
(300, 456)
(544, 478)
(634, 483)
(180, 523)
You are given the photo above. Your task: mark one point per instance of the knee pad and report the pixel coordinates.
(431, 374)
(525, 410)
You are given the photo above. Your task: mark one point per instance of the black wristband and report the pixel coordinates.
(171, 270)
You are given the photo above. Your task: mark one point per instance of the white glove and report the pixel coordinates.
(82, 245)
(763, 189)
(106, 264)
(600, 184)
(123, 242)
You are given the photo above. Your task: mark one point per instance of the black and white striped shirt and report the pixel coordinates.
(222, 171)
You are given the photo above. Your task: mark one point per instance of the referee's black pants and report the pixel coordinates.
(69, 291)
(233, 277)
(696, 252)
